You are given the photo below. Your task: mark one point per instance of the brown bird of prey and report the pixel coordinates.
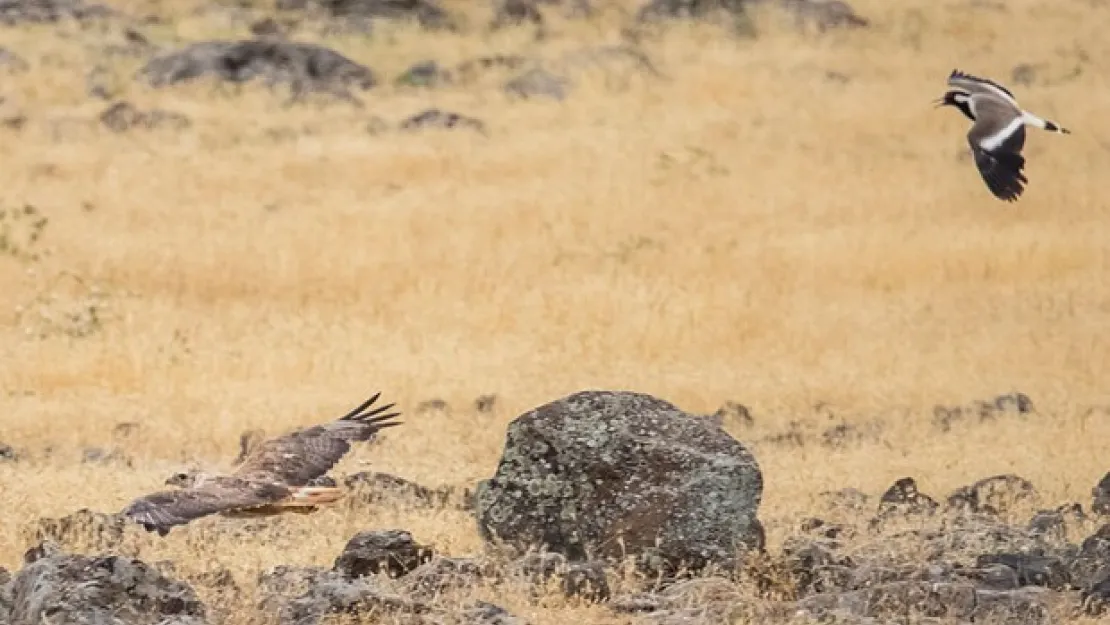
(279, 475)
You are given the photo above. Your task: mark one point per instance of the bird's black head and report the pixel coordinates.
(958, 99)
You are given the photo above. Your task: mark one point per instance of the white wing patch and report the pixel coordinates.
(996, 140)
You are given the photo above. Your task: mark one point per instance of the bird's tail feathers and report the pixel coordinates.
(1046, 124)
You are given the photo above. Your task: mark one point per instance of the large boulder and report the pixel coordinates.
(610, 474)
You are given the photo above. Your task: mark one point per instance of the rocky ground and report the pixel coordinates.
(622, 500)
(616, 503)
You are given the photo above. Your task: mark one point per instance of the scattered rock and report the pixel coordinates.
(248, 442)
(12, 62)
(849, 500)
(7, 453)
(99, 455)
(734, 415)
(330, 592)
(304, 67)
(691, 9)
(1023, 74)
(612, 474)
(484, 613)
(13, 12)
(538, 82)
(846, 434)
(470, 69)
(392, 552)
(944, 417)
(123, 116)
(435, 118)
(516, 13)
(432, 405)
(1031, 569)
(90, 590)
(903, 498)
(1100, 494)
(960, 600)
(824, 14)
(992, 495)
(441, 575)
(423, 74)
(427, 13)
(485, 403)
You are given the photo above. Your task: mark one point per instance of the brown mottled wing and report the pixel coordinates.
(297, 458)
(162, 510)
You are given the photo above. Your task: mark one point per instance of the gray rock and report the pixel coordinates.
(12, 62)
(690, 9)
(586, 580)
(1100, 496)
(423, 74)
(91, 590)
(5, 596)
(444, 120)
(904, 498)
(931, 599)
(604, 474)
(427, 13)
(538, 82)
(441, 575)
(392, 552)
(1032, 569)
(824, 14)
(13, 12)
(121, 117)
(304, 67)
(997, 494)
(8, 453)
(329, 592)
(484, 613)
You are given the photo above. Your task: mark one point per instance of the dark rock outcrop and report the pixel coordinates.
(997, 494)
(91, 590)
(427, 13)
(602, 474)
(306, 596)
(304, 67)
(392, 552)
(446, 120)
(13, 12)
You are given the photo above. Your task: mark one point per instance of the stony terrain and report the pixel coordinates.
(696, 311)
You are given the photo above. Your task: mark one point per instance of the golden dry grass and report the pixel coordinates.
(746, 229)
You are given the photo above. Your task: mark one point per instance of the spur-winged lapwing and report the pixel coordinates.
(998, 134)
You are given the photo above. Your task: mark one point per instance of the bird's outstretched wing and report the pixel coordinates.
(996, 143)
(976, 84)
(297, 458)
(1001, 171)
(164, 509)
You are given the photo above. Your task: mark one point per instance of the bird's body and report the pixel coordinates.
(997, 135)
(280, 475)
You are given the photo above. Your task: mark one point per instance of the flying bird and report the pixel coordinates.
(998, 134)
(279, 475)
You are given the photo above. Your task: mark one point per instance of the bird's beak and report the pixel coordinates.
(939, 102)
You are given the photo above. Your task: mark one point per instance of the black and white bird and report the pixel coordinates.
(998, 134)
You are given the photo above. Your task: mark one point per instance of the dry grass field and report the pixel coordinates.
(780, 221)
